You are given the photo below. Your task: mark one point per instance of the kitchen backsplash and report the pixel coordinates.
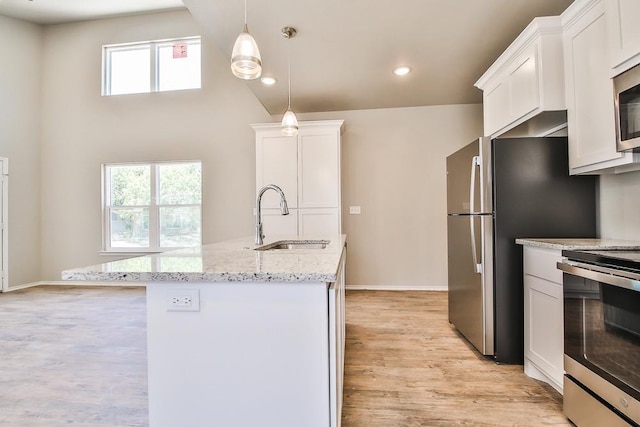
(620, 206)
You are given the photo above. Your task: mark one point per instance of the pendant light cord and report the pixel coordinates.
(289, 68)
(245, 13)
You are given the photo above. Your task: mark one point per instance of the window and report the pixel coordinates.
(151, 66)
(150, 207)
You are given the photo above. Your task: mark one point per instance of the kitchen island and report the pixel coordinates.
(240, 337)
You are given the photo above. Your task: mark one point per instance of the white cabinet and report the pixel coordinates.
(623, 34)
(543, 316)
(252, 354)
(337, 335)
(307, 168)
(589, 92)
(526, 80)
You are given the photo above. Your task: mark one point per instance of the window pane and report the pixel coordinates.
(130, 70)
(179, 66)
(129, 227)
(130, 185)
(179, 226)
(180, 184)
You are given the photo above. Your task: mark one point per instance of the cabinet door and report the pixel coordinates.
(496, 108)
(544, 327)
(276, 163)
(590, 110)
(623, 31)
(318, 168)
(275, 225)
(337, 342)
(319, 222)
(524, 84)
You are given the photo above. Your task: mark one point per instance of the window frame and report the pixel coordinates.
(154, 64)
(154, 209)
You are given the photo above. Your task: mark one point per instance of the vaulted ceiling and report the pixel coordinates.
(343, 55)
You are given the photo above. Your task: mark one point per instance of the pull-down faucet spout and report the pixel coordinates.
(284, 209)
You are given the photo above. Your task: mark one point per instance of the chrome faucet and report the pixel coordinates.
(284, 209)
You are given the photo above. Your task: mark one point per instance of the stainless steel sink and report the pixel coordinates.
(294, 244)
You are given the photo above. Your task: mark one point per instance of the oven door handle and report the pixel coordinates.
(609, 276)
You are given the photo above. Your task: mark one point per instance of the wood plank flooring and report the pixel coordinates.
(406, 366)
(77, 355)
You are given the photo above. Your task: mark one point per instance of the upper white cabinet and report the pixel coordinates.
(307, 168)
(526, 80)
(589, 92)
(623, 34)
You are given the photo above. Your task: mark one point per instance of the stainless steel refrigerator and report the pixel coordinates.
(497, 191)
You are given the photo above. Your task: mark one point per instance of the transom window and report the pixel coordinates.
(155, 66)
(151, 207)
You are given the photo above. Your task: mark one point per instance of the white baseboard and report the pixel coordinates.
(23, 286)
(396, 288)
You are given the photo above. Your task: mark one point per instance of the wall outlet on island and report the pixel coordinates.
(183, 300)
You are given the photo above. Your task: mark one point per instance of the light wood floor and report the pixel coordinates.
(73, 355)
(406, 366)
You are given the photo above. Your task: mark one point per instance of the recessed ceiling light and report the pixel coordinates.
(269, 81)
(402, 70)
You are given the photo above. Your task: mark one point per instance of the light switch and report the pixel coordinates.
(354, 210)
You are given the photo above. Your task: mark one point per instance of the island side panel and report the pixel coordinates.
(255, 354)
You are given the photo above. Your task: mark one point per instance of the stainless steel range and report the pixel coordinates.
(602, 337)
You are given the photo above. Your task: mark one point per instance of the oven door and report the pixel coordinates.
(602, 333)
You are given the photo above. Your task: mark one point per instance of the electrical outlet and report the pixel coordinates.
(183, 300)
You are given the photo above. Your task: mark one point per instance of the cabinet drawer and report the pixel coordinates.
(541, 262)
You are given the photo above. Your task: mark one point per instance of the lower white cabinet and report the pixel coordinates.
(252, 354)
(337, 336)
(543, 316)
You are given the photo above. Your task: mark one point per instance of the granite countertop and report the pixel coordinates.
(581, 244)
(229, 261)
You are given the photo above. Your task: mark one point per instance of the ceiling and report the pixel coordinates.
(61, 11)
(343, 55)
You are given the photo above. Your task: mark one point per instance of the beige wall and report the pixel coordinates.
(393, 167)
(620, 206)
(20, 75)
(81, 130)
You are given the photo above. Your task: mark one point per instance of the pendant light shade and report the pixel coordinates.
(289, 125)
(246, 63)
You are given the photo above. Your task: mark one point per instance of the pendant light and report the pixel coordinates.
(289, 120)
(246, 63)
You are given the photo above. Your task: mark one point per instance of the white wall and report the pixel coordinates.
(620, 206)
(20, 75)
(81, 130)
(394, 167)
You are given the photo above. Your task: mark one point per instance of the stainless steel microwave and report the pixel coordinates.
(627, 107)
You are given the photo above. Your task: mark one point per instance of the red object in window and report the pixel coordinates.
(179, 50)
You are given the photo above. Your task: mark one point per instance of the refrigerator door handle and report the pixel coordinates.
(475, 163)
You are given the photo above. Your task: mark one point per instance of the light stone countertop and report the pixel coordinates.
(228, 261)
(581, 244)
